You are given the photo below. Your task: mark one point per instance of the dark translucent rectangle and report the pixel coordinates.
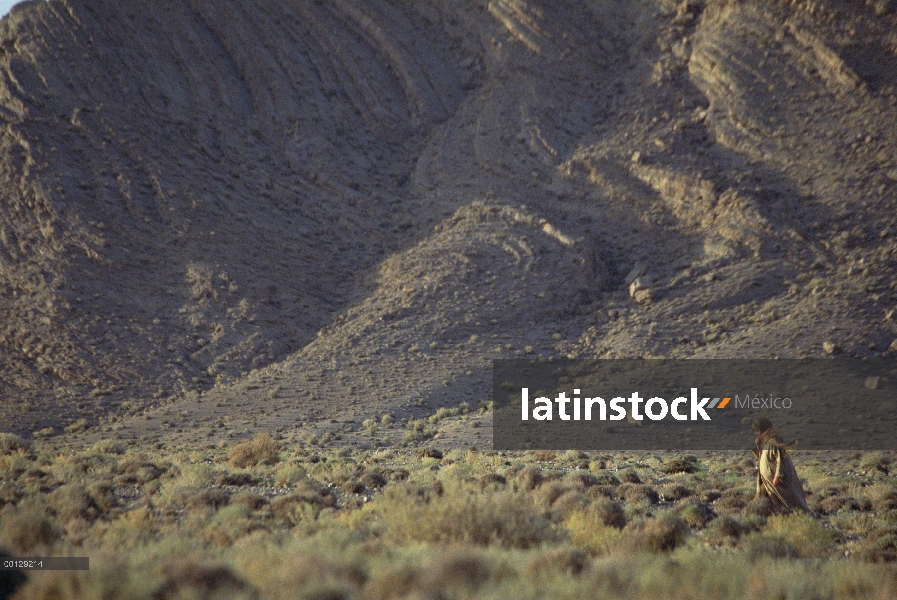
(46, 563)
(826, 404)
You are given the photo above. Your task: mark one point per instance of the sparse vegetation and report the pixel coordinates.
(260, 520)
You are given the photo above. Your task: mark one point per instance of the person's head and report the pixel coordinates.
(761, 425)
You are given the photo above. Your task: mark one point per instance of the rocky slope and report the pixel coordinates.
(281, 212)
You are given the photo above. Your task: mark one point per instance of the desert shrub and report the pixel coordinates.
(568, 502)
(587, 531)
(875, 461)
(249, 500)
(230, 524)
(882, 496)
(760, 506)
(26, 529)
(213, 498)
(582, 481)
(675, 491)
(501, 517)
(103, 494)
(244, 479)
(76, 426)
(635, 493)
(683, 464)
(261, 449)
(190, 579)
(305, 574)
(108, 446)
(772, 546)
(460, 569)
(724, 527)
(287, 507)
(428, 452)
(661, 534)
(565, 561)
(129, 529)
(729, 505)
(880, 545)
(459, 574)
(604, 512)
(13, 466)
(803, 531)
(373, 480)
(132, 471)
(695, 515)
(33, 475)
(833, 504)
(608, 512)
(286, 475)
(398, 474)
(492, 479)
(601, 491)
(11, 443)
(550, 492)
(630, 476)
(72, 501)
(709, 495)
(606, 478)
(46, 432)
(9, 494)
(544, 455)
(529, 477)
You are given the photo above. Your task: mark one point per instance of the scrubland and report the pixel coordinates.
(267, 519)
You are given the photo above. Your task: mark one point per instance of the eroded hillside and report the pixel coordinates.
(305, 210)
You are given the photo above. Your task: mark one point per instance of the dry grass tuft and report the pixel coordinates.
(675, 491)
(630, 476)
(635, 493)
(662, 534)
(72, 501)
(11, 443)
(261, 449)
(26, 529)
(190, 579)
(725, 527)
(803, 531)
(880, 546)
(760, 506)
(683, 464)
(528, 477)
(564, 561)
(492, 479)
(493, 517)
(771, 547)
(459, 574)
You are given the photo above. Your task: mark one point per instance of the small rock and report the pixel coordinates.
(830, 347)
(636, 157)
(871, 383)
(891, 315)
(642, 296)
(894, 346)
(640, 290)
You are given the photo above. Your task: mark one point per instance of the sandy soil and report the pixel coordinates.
(220, 217)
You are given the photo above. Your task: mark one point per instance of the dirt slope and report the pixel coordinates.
(286, 212)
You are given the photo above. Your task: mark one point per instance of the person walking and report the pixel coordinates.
(777, 479)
